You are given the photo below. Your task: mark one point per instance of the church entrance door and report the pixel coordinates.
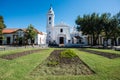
(61, 40)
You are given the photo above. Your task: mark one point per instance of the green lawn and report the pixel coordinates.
(20, 68)
(105, 50)
(13, 51)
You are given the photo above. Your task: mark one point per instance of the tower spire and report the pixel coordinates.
(50, 17)
(51, 10)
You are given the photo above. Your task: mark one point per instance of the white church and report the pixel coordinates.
(61, 34)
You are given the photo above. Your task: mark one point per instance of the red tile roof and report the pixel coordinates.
(8, 31)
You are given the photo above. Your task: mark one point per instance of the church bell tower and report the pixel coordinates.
(50, 25)
(50, 17)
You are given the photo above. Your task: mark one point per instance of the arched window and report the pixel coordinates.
(49, 22)
(49, 18)
(61, 30)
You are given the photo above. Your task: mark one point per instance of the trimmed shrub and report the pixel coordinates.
(68, 54)
(52, 63)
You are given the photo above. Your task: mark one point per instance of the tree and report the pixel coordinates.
(96, 25)
(90, 25)
(106, 25)
(111, 28)
(2, 26)
(115, 34)
(117, 16)
(116, 27)
(31, 33)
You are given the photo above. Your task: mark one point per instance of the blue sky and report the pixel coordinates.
(21, 13)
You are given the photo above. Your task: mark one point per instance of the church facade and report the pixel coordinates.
(61, 34)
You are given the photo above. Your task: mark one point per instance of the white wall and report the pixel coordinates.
(65, 33)
(84, 37)
(5, 38)
(41, 39)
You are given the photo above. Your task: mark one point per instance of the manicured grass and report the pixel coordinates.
(106, 69)
(20, 68)
(13, 51)
(105, 50)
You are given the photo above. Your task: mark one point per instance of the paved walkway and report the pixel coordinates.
(9, 47)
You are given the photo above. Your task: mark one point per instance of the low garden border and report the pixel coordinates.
(19, 54)
(105, 54)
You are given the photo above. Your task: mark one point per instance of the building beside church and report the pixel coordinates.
(17, 36)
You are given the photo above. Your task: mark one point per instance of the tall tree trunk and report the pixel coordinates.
(115, 41)
(94, 40)
(93, 43)
(106, 42)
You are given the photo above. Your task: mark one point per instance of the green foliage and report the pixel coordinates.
(68, 54)
(90, 24)
(31, 32)
(2, 37)
(52, 63)
(2, 26)
(110, 27)
(118, 16)
(95, 25)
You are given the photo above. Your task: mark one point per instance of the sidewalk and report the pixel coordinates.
(10, 47)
